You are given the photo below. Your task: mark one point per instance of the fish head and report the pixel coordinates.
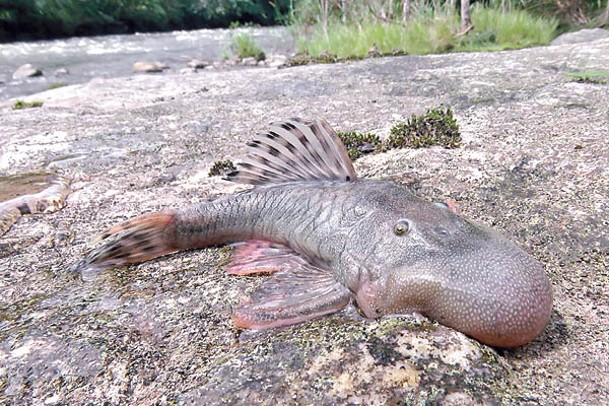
(428, 259)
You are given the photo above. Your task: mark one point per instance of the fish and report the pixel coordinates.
(328, 239)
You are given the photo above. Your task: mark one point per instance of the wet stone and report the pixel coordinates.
(26, 71)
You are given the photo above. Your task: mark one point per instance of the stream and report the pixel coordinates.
(109, 56)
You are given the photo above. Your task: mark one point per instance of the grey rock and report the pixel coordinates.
(148, 67)
(26, 71)
(197, 64)
(275, 60)
(374, 51)
(61, 72)
(581, 36)
(533, 164)
(249, 61)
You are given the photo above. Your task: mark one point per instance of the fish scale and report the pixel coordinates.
(330, 239)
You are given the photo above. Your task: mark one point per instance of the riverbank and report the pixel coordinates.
(78, 60)
(532, 164)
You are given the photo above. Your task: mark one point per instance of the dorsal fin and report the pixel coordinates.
(295, 150)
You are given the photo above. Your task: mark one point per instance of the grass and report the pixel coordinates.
(594, 77)
(20, 104)
(515, 29)
(427, 34)
(244, 46)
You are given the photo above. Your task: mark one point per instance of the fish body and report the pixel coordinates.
(329, 239)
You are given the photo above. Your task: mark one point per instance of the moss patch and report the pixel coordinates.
(593, 77)
(359, 144)
(305, 58)
(222, 168)
(20, 104)
(436, 127)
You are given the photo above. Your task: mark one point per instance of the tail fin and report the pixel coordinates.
(134, 241)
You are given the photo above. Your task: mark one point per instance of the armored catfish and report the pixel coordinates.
(329, 239)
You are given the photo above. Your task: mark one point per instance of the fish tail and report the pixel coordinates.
(134, 241)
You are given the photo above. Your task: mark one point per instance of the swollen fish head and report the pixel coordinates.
(463, 275)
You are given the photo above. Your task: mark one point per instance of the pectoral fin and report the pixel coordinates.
(292, 296)
(258, 256)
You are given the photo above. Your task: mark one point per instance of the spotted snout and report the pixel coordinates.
(496, 293)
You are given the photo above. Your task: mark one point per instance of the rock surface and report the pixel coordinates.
(581, 36)
(26, 71)
(148, 67)
(197, 64)
(61, 72)
(534, 164)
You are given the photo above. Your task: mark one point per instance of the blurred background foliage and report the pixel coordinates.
(35, 19)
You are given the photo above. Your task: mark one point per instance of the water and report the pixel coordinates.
(114, 55)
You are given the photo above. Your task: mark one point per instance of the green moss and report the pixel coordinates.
(436, 127)
(593, 77)
(20, 104)
(57, 85)
(305, 58)
(222, 168)
(359, 144)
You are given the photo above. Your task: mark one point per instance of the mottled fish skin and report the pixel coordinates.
(369, 241)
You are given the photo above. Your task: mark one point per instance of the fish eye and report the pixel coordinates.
(442, 231)
(401, 228)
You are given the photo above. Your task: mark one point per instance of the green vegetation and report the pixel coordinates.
(57, 85)
(328, 30)
(436, 127)
(359, 144)
(20, 104)
(33, 19)
(496, 30)
(222, 168)
(594, 77)
(427, 34)
(244, 46)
